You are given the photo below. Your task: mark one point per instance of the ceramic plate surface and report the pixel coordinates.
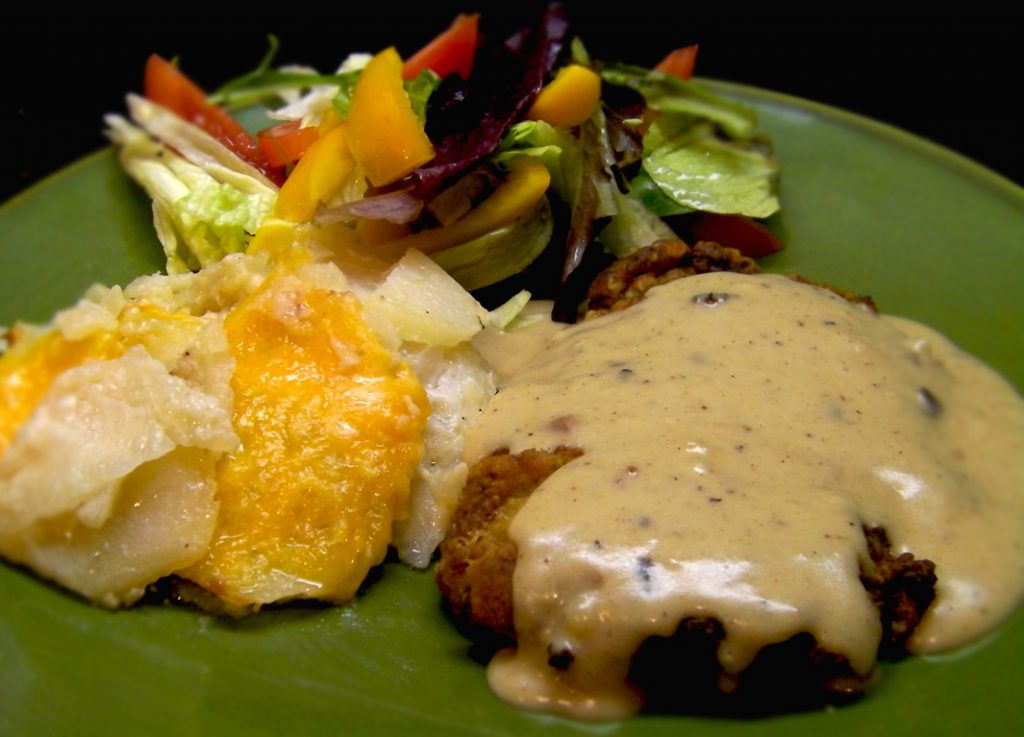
(929, 234)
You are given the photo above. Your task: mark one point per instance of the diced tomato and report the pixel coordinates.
(285, 143)
(679, 62)
(736, 231)
(452, 51)
(165, 85)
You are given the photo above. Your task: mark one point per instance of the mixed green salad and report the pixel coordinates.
(509, 160)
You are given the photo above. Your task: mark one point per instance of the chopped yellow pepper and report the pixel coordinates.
(320, 173)
(569, 99)
(330, 120)
(385, 136)
(527, 182)
(277, 239)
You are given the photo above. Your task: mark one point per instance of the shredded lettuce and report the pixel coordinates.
(198, 218)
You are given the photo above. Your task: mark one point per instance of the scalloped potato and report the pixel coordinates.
(251, 428)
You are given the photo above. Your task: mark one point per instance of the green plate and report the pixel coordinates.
(928, 233)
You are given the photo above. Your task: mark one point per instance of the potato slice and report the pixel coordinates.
(426, 305)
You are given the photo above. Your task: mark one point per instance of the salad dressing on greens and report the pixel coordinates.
(738, 433)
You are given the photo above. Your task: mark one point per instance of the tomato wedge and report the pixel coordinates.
(165, 85)
(679, 62)
(452, 51)
(747, 236)
(285, 143)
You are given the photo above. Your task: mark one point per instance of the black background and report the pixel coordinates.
(952, 78)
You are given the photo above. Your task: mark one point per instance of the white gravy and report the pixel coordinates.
(734, 446)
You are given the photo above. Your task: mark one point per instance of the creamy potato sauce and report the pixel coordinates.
(738, 433)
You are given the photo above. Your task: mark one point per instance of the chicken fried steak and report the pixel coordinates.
(681, 671)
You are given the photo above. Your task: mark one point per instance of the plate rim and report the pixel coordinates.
(965, 165)
(961, 165)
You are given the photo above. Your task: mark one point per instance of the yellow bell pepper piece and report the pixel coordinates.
(286, 244)
(569, 99)
(320, 173)
(330, 120)
(386, 137)
(527, 182)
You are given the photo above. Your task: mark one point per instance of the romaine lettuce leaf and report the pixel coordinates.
(700, 152)
(198, 147)
(198, 218)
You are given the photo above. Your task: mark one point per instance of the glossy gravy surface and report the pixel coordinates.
(738, 433)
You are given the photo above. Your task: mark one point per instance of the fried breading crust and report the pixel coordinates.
(681, 671)
(863, 300)
(478, 557)
(626, 281)
(902, 587)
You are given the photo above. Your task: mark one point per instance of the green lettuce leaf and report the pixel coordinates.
(667, 93)
(346, 86)
(696, 168)
(505, 314)
(198, 217)
(556, 148)
(501, 253)
(419, 91)
(633, 227)
(653, 198)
